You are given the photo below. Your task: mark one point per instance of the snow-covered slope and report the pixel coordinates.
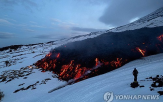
(90, 90)
(20, 79)
(24, 56)
(117, 81)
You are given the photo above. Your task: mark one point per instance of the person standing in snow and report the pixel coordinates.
(135, 73)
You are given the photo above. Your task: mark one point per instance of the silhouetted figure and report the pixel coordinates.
(135, 73)
(7, 63)
(135, 83)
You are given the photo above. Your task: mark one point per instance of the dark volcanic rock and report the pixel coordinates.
(160, 92)
(110, 46)
(134, 84)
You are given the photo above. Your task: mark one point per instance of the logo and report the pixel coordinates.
(108, 96)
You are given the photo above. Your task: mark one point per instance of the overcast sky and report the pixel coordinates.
(35, 21)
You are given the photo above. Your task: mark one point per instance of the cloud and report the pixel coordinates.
(65, 26)
(52, 35)
(86, 29)
(9, 19)
(32, 22)
(30, 30)
(37, 26)
(3, 21)
(6, 35)
(56, 20)
(120, 12)
(9, 4)
(45, 36)
(21, 25)
(96, 2)
(29, 2)
(62, 24)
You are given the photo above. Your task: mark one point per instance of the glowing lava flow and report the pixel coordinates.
(49, 54)
(58, 55)
(72, 71)
(75, 70)
(141, 51)
(97, 61)
(160, 38)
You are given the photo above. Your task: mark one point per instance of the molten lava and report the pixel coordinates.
(49, 54)
(141, 51)
(72, 70)
(97, 61)
(58, 55)
(160, 38)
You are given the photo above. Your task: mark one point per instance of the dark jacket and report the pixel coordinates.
(135, 72)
